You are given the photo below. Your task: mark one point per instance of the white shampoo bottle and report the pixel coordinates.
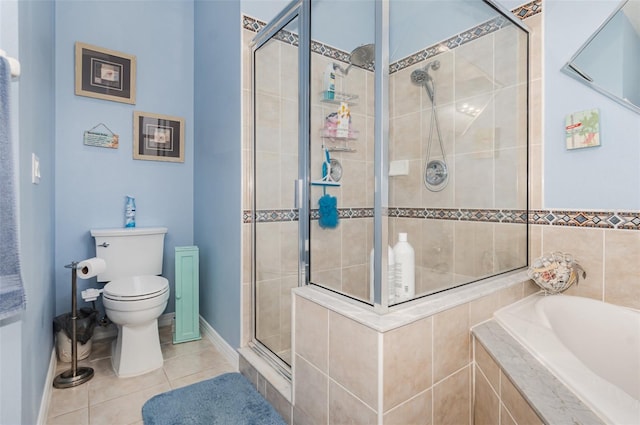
(405, 268)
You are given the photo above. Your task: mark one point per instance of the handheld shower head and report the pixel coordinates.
(420, 76)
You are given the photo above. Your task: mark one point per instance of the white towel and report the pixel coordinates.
(12, 298)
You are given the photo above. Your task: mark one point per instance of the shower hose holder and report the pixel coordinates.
(76, 375)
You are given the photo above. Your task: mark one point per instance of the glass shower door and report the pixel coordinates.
(275, 272)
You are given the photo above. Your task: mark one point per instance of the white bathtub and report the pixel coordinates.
(591, 346)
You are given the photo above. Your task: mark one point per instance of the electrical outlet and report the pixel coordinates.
(35, 169)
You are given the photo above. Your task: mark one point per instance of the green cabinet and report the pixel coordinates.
(187, 325)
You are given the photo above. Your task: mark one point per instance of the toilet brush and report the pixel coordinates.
(74, 376)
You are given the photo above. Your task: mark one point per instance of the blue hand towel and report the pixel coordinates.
(12, 298)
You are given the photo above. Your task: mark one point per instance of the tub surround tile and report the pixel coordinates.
(310, 392)
(418, 410)
(353, 357)
(486, 402)
(551, 400)
(312, 333)
(407, 371)
(450, 341)
(412, 311)
(515, 403)
(490, 369)
(451, 399)
(621, 275)
(345, 408)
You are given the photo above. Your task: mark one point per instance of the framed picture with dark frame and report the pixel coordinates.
(105, 74)
(158, 137)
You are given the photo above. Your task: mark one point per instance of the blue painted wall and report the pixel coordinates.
(607, 177)
(26, 341)
(91, 182)
(218, 163)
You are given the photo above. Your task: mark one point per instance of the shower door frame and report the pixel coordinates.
(300, 9)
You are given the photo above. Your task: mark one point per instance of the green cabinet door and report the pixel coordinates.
(187, 326)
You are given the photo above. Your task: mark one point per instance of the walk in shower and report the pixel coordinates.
(395, 117)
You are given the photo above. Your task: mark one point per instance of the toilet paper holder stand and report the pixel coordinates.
(76, 375)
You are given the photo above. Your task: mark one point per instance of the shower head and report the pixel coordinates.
(420, 76)
(361, 56)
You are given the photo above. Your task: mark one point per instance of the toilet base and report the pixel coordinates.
(136, 350)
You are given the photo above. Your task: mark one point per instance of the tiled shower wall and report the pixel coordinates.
(485, 154)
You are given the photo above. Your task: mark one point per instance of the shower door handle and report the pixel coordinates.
(297, 193)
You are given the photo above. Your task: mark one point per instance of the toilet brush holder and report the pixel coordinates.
(76, 375)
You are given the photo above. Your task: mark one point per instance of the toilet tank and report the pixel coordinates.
(128, 252)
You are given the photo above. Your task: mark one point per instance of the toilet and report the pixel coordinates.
(135, 295)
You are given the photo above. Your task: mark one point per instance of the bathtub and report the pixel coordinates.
(591, 346)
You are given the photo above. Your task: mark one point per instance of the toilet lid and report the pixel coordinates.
(136, 286)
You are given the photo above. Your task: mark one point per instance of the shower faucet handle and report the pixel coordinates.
(104, 244)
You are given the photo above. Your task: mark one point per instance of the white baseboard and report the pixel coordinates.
(225, 349)
(48, 385)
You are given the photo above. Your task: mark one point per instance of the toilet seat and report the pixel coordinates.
(136, 288)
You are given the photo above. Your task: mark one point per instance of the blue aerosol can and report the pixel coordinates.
(130, 212)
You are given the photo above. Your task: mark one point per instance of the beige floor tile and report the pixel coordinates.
(110, 387)
(112, 400)
(201, 376)
(124, 410)
(66, 400)
(78, 417)
(189, 364)
(170, 350)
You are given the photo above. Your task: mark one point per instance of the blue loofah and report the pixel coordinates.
(328, 211)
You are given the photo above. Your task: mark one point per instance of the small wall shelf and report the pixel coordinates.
(338, 97)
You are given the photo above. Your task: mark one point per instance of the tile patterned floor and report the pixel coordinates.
(107, 399)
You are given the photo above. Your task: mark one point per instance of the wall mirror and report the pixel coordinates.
(609, 62)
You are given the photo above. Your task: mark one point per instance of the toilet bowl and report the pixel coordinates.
(134, 305)
(134, 295)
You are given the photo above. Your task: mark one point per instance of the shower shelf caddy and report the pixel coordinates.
(333, 142)
(339, 97)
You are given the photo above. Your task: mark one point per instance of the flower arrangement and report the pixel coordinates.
(555, 272)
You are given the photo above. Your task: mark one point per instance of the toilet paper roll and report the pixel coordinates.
(90, 267)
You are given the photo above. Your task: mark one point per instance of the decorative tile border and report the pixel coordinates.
(451, 43)
(626, 220)
(522, 12)
(623, 220)
(528, 10)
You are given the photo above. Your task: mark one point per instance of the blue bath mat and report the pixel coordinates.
(224, 400)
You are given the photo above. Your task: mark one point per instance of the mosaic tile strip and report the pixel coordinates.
(288, 37)
(528, 10)
(496, 216)
(623, 220)
(252, 24)
(522, 12)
